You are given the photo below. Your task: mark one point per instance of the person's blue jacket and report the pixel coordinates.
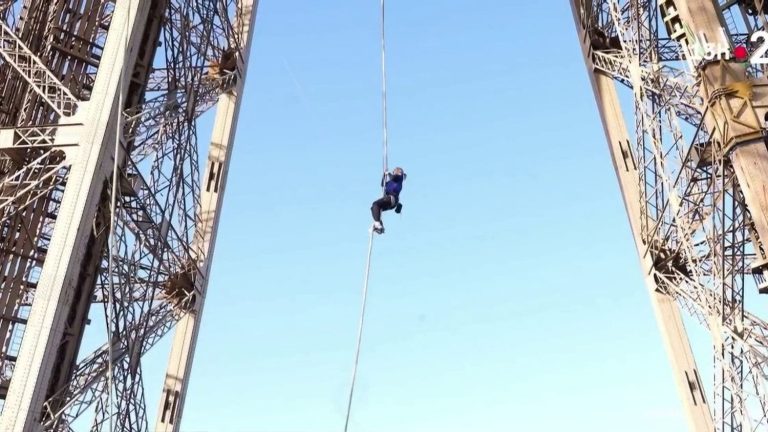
(393, 185)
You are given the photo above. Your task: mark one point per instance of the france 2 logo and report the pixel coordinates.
(758, 57)
(701, 50)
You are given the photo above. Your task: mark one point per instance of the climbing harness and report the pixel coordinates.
(371, 233)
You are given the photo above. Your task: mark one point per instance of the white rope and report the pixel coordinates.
(384, 89)
(359, 330)
(385, 163)
(112, 221)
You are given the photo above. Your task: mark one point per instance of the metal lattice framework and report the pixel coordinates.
(64, 247)
(688, 147)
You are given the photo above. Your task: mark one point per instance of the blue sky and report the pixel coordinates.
(506, 297)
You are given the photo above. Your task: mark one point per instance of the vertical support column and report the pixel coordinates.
(91, 166)
(213, 184)
(668, 316)
(665, 309)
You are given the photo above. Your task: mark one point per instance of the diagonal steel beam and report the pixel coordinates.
(35, 73)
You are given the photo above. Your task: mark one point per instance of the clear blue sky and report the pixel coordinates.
(508, 295)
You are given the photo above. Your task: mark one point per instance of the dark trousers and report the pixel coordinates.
(387, 202)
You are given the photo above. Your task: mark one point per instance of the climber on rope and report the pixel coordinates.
(393, 184)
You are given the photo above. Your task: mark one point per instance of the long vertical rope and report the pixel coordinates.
(113, 219)
(385, 163)
(384, 88)
(360, 329)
